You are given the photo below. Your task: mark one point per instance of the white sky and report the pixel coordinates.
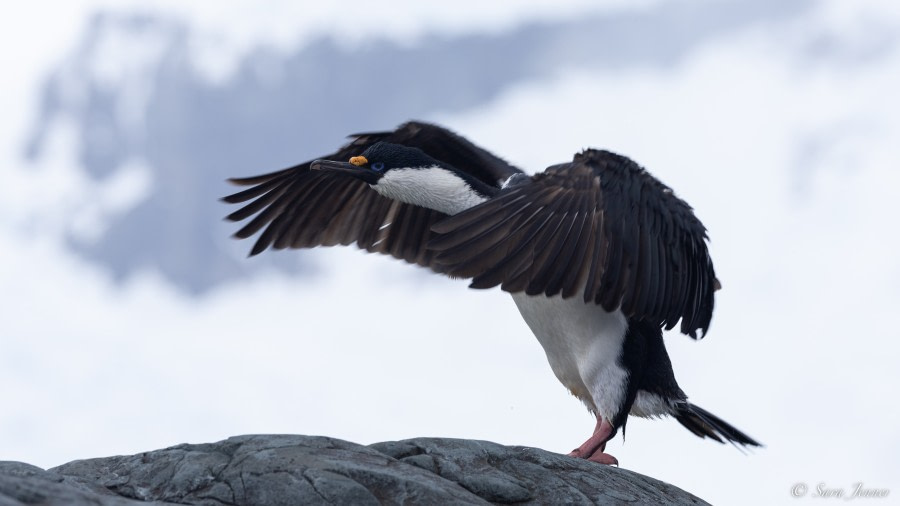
(802, 353)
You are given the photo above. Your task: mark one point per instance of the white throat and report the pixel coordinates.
(432, 187)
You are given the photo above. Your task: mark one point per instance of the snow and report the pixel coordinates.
(784, 138)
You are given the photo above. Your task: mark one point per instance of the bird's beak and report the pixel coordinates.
(367, 175)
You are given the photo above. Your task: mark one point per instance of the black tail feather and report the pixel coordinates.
(704, 424)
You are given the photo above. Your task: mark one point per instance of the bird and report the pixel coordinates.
(598, 255)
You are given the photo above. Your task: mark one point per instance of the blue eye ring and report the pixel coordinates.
(377, 166)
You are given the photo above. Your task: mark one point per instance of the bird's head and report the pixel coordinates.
(377, 161)
(409, 175)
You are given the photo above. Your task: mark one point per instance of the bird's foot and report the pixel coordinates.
(604, 458)
(592, 449)
(587, 449)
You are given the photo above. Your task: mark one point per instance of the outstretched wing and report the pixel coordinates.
(300, 208)
(600, 225)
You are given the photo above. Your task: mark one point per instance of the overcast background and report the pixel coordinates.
(130, 321)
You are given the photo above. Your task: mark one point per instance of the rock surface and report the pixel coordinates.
(289, 470)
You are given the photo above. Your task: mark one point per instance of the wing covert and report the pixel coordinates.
(300, 208)
(600, 226)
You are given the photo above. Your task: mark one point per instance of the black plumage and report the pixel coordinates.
(622, 261)
(601, 226)
(302, 208)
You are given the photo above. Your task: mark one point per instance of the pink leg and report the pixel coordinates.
(592, 449)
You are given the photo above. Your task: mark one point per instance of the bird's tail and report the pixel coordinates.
(705, 424)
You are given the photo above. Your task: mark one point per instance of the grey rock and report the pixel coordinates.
(22, 484)
(289, 470)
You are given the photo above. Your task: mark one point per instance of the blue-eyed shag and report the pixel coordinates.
(598, 255)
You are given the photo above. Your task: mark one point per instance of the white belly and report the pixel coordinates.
(583, 343)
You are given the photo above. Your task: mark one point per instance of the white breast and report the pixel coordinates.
(432, 187)
(583, 343)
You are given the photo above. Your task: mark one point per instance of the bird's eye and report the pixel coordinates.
(377, 166)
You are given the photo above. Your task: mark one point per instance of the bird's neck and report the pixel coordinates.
(437, 187)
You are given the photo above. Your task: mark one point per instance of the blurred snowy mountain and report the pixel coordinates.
(779, 122)
(139, 101)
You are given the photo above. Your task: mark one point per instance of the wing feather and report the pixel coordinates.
(600, 226)
(300, 208)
